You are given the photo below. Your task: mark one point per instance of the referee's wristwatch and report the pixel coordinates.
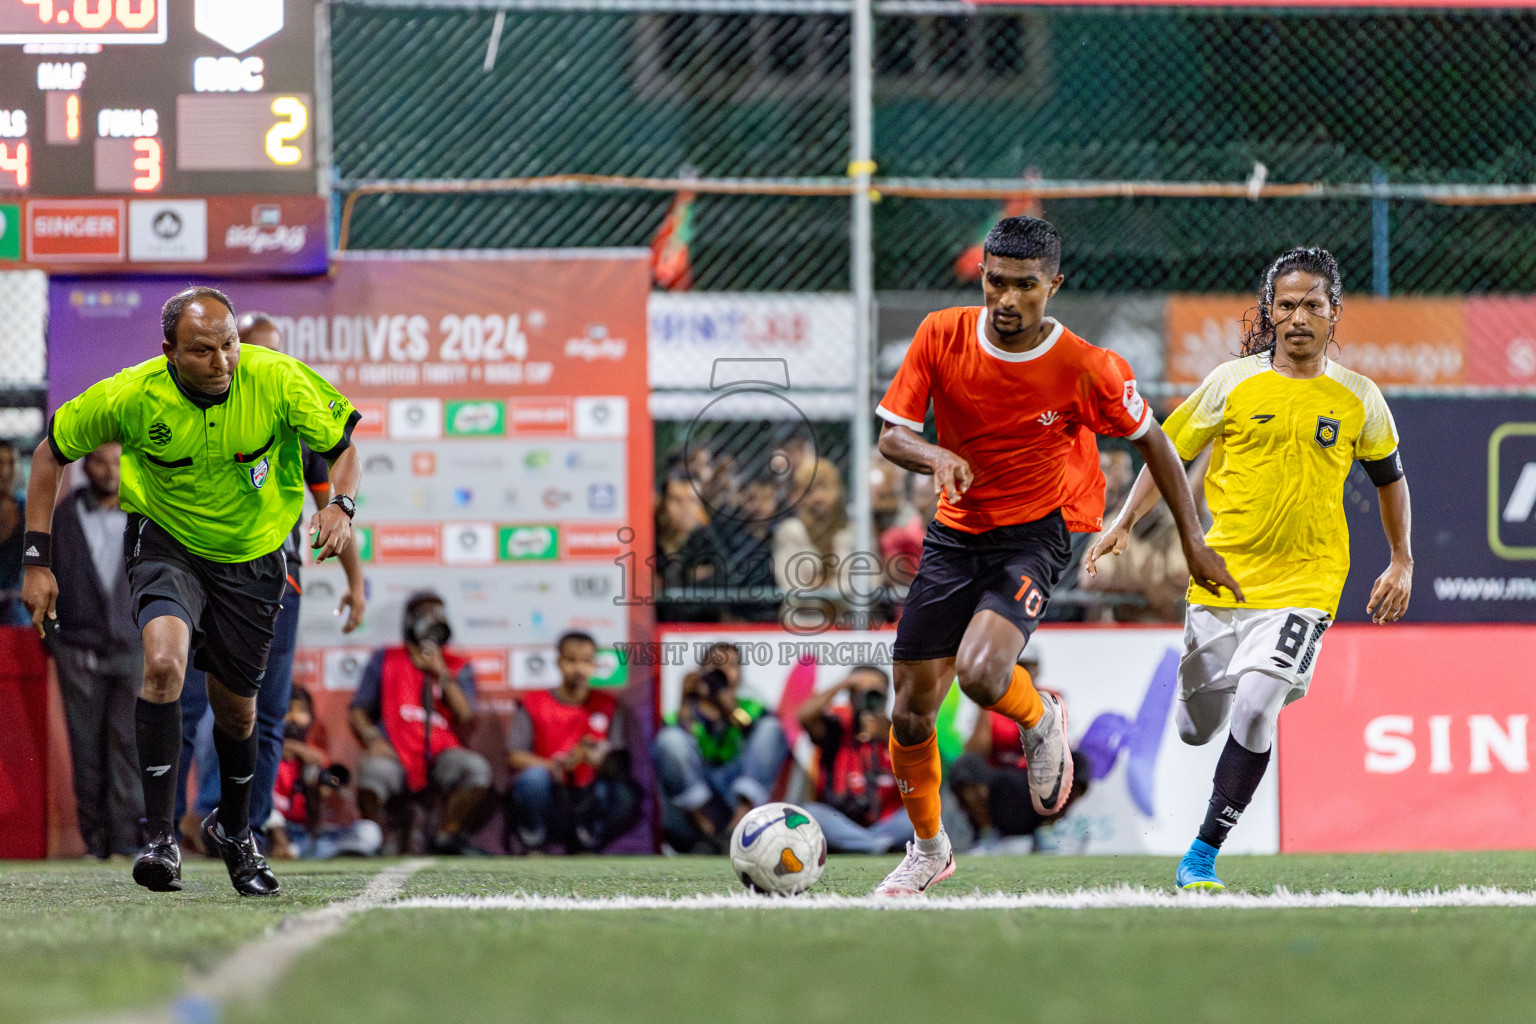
(345, 503)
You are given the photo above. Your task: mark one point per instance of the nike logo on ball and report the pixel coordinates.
(750, 836)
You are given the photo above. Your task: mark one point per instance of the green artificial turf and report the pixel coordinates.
(78, 939)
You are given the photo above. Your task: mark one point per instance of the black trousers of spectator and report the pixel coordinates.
(99, 693)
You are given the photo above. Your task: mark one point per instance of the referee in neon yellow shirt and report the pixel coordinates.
(206, 430)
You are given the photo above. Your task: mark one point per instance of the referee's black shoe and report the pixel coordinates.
(158, 866)
(248, 871)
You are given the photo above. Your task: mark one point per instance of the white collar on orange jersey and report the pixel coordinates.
(1016, 357)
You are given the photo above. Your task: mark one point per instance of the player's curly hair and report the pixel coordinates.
(176, 305)
(1259, 334)
(1025, 238)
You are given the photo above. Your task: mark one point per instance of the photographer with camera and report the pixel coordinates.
(567, 749)
(406, 748)
(306, 779)
(718, 757)
(859, 808)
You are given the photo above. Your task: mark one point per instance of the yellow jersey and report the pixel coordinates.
(1282, 450)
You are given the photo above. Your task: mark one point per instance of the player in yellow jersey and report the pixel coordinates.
(1285, 423)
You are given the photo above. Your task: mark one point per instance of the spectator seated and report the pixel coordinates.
(566, 748)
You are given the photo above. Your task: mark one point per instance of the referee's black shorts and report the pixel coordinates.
(1010, 570)
(230, 607)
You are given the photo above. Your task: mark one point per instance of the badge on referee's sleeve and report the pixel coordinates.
(1327, 432)
(259, 473)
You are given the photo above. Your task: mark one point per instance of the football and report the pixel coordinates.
(778, 850)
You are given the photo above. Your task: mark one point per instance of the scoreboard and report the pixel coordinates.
(144, 97)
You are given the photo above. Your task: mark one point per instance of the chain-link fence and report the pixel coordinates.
(23, 354)
(1403, 99)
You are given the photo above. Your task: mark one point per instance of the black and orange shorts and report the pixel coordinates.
(1010, 570)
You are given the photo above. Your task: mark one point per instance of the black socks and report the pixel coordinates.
(1238, 773)
(237, 767)
(157, 730)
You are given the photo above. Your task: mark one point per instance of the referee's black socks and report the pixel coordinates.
(237, 767)
(1238, 773)
(157, 730)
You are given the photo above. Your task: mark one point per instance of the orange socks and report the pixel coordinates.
(1021, 703)
(918, 774)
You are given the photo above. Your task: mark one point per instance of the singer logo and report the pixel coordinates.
(1390, 745)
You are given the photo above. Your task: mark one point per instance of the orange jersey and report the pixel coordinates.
(1025, 421)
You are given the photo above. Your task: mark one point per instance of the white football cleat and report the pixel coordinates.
(1050, 759)
(918, 871)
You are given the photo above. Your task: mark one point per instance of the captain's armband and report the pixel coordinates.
(1384, 471)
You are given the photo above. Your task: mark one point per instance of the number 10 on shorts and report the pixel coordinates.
(1034, 601)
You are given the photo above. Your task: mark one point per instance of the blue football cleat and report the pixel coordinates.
(1198, 868)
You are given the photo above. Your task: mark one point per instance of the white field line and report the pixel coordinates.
(1117, 898)
(255, 968)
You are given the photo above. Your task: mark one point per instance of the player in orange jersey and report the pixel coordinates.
(1017, 399)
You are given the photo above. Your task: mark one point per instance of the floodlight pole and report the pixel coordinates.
(861, 168)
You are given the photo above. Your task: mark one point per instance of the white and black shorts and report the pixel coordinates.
(1221, 645)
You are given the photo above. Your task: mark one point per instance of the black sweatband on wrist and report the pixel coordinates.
(1384, 471)
(37, 548)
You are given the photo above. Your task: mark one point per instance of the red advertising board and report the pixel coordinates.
(1501, 341)
(1412, 738)
(75, 231)
(1418, 342)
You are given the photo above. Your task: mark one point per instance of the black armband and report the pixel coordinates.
(332, 453)
(37, 548)
(53, 445)
(1384, 471)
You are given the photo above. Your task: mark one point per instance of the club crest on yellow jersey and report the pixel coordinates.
(1327, 434)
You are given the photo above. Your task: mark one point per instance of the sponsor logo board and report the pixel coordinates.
(68, 230)
(475, 419)
(407, 542)
(597, 542)
(1401, 724)
(1409, 341)
(168, 230)
(10, 231)
(469, 543)
(532, 543)
(539, 416)
(598, 417)
(416, 419)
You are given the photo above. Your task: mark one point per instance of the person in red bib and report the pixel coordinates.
(305, 774)
(566, 746)
(404, 748)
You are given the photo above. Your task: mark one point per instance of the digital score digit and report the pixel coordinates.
(15, 166)
(293, 126)
(106, 21)
(245, 132)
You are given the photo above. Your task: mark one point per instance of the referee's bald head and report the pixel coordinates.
(176, 307)
(259, 329)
